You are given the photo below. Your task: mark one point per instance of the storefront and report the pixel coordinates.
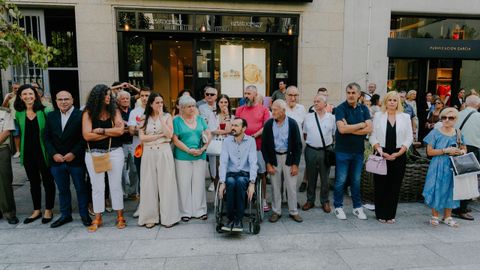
(433, 54)
(174, 50)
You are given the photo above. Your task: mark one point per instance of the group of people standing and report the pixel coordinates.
(116, 144)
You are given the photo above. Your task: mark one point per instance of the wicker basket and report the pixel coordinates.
(412, 184)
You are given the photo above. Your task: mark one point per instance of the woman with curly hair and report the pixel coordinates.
(159, 184)
(31, 115)
(102, 128)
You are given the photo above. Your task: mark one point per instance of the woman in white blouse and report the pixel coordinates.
(391, 137)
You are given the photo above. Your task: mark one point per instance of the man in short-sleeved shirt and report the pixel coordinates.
(7, 202)
(256, 115)
(353, 124)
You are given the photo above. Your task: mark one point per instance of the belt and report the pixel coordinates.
(317, 148)
(281, 153)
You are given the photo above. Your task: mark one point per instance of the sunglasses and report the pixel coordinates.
(210, 94)
(449, 118)
(438, 103)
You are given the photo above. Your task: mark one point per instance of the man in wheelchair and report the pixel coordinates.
(238, 171)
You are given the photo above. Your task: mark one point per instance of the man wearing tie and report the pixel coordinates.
(66, 147)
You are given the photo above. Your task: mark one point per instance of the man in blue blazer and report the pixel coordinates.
(66, 148)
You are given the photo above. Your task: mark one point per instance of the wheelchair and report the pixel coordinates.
(253, 210)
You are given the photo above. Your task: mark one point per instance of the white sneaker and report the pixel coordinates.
(359, 213)
(16, 155)
(340, 214)
(211, 188)
(136, 214)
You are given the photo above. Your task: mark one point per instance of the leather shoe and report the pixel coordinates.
(465, 216)
(307, 206)
(326, 207)
(303, 187)
(30, 220)
(296, 218)
(61, 221)
(86, 221)
(274, 218)
(47, 220)
(13, 220)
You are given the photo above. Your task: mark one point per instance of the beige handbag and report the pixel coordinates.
(101, 163)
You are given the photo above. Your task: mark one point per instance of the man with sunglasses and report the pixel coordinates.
(207, 111)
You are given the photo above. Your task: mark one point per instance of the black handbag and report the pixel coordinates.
(464, 164)
(330, 158)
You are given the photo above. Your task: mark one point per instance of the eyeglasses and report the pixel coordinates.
(210, 94)
(449, 118)
(62, 99)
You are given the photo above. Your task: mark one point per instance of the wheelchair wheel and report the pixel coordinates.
(259, 201)
(256, 228)
(218, 209)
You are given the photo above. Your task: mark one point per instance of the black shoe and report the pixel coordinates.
(237, 227)
(30, 220)
(61, 221)
(86, 221)
(47, 220)
(228, 227)
(13, 220)
(303, 187)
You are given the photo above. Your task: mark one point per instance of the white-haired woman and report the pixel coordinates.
(191, 138)
(391, 137)
(438, 189)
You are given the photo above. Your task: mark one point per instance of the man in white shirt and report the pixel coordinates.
(315, 151)
(470, 128)
(207, 111)
(134, 124)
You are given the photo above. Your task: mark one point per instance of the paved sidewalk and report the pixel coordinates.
(320, 242)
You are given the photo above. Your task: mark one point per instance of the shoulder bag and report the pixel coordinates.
(329, 153)
(464, 164)
(101, 162)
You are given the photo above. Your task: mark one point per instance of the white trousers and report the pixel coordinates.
(191, 187)
(158, 190)
(114, 181)
(290, 183)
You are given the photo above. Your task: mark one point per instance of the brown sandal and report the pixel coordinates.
(97, 223)
(121, 223)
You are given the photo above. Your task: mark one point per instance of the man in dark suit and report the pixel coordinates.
(66, 147)
(282, 149)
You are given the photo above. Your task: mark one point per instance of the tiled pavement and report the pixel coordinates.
(320, 242)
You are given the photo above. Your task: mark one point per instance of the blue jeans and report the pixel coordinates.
(237, 184)
(349, 165)
(61, 174)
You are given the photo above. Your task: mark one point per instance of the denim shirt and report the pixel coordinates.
(280, 135)
(237, 157)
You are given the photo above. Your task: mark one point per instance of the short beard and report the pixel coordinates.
(250, 103)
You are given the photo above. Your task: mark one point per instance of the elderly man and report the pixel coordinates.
(128, 180)
(207, 111)
(7, 202)
(134, 124)
(282, 149)
(469, 124)
(256, 115)
(238, 171)
(319, 128)
(66, 148)
(353, 124)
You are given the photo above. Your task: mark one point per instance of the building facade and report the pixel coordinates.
(175, 45)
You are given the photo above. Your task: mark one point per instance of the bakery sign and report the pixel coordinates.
(433, 48)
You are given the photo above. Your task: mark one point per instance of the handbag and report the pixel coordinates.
(102, 162)
(330, 158)
(465, 187)
(376, 165)
(215, 146)
(464, 164)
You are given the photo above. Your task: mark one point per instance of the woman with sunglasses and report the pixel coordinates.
(438, 189)
(434, 116)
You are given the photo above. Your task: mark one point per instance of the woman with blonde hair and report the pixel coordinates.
(438, 190)
(391, 137)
